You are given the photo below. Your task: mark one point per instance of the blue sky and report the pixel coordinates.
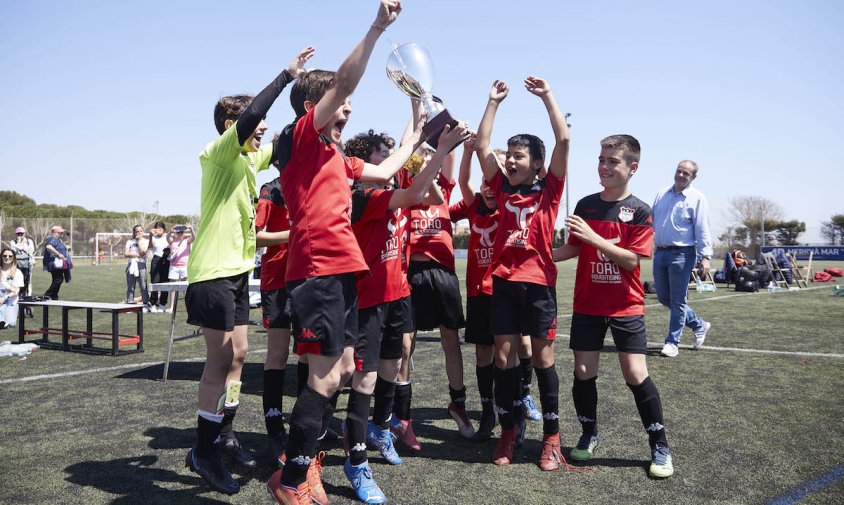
(109, 103)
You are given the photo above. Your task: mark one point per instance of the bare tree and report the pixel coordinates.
(39, 228)
(754, 213)
(144, 219)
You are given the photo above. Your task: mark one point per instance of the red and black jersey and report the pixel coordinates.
(315, 183)
(601, 287)
(430, 225)
(527, 214)
(483, 225)
(271, 216)
(380, 233)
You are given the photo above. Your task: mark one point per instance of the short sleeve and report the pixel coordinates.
(369, 204)
(223, 150)
(459, 211)
(641, 238)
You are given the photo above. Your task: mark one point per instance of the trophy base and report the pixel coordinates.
(434, 127)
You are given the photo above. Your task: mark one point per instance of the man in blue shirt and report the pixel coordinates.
(681, 236)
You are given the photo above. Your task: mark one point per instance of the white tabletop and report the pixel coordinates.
(82, 305)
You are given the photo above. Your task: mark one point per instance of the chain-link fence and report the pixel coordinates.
(100, 240)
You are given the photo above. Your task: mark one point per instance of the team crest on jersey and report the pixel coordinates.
(625, 214)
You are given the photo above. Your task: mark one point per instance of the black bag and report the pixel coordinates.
(649, 286)
(747, 280)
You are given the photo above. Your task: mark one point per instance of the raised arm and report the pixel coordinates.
(489, 162)
(465, 173)
(260, 105)
(417, 190)
(560, 155)
(351, 70)
(387, 168)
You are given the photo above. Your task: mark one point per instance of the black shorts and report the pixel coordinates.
(523, 307)
(628, 333)
(324, 313)
(478, 314)
(382, 328)
(435, 293)
(275, 308)
(219, 304)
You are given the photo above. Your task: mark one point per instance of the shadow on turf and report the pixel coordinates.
(131, 478)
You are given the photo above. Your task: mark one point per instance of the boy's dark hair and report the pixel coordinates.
(626, 143)
(159, 224)
(310, 87)
(534, 145)
(363, 145)
(230, 107)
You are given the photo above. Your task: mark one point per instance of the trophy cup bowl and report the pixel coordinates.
(410, 67)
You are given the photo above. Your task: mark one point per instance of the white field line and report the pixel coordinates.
(559, 336)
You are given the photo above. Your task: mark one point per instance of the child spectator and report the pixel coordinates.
(159, 265)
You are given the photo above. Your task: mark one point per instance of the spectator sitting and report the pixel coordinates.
(11, 281)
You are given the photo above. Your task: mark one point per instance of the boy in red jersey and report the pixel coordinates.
(610, 232)
(273, 225)
(435, 294)
(481, 209)
(523, 273)
(217, 298)
(324, 258)
(384, 314)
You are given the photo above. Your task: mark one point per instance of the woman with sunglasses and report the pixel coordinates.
(24, 249)
(11, 281)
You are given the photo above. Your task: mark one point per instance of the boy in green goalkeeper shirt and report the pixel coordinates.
(222, 256)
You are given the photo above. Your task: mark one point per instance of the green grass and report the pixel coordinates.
(744, 427)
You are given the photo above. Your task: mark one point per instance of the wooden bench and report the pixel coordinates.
(117, 339)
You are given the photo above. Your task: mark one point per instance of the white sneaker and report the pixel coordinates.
(700, 335)
(147, 309)
(161, 308)
(670, 350)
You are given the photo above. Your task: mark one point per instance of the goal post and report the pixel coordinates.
(105, 243)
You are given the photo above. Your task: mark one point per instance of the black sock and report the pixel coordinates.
(486, 377)
(206, 434)
(272, 399)
(305, 425)
(302, 372)
(401, 407)
(504, 396)
(385, 393)
(650, 410)
(327, 412)
(357, 414)
(458, 396)
(549, 398)
(585, 396)
(516, 382)
(526, 364)
(226, 429)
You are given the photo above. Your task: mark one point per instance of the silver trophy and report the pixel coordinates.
(411, 68)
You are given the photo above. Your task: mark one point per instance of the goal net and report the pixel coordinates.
(110, 247)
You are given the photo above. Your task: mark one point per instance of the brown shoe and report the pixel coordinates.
(551, 457)
(504, 449)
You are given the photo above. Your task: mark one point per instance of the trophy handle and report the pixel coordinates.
(434, 127)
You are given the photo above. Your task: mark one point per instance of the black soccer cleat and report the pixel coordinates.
(213, 471)
(485, 427)
(233, 453)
